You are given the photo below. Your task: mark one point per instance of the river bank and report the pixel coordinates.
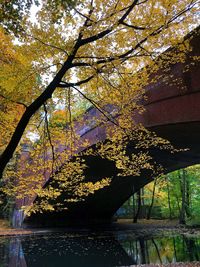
(142, 227)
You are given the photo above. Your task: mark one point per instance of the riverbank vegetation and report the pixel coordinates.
(174, 196)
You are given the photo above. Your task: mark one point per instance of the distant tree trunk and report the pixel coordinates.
(188, 208)
(182, 178)
(142, 197)
(178, 203)
(134, 206)
(138, 206)
(168, 198)
(143, 209)
(152, 199)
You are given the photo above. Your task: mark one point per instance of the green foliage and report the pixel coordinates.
(193, 181)
(12, 12)
(57, 8)
(172, 182)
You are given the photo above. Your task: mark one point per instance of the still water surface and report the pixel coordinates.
(87, 249)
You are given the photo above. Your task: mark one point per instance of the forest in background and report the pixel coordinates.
(175, 195)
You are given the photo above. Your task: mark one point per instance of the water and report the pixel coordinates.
(86, 249)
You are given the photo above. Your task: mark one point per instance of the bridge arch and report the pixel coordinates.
(172, 112)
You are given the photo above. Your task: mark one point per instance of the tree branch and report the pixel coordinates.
(142, 2)
(88, 19)
(72, 134)
(13, 101)
(49, 136)
(63, 84)
(105, 32)
(97, 107)
(133, 26)
(46, 44)
(35, 72)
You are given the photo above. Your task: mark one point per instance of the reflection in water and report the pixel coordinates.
(64, 249)
(163, 249)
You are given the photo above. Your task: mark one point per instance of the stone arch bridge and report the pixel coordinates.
(172, 112)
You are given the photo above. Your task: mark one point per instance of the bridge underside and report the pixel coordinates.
(101, 206)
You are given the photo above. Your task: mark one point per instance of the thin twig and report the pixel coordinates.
(34, 72)
(96, 106)
(133, 26)
(13, 101)
(49, 136)
(47, 44)
(70, 121)
(63, 84)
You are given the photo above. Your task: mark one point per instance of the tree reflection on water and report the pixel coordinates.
(163, 250)
(64, 249)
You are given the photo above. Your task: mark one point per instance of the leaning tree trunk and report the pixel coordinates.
(152, 200)
(168, 198)
(182, 179)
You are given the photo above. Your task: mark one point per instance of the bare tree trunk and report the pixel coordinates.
(188, 211)
(134, 204)
(142, 197)
(152, 199)
(178, 203)
(138, 206)
(168, 198)
(134, 208)
(182, 178)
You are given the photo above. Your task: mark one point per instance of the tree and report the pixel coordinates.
(182, 178)
(14, 13)
(97, 51)
(14, 65)
(168, 199)
(136, 215)
(152, 199)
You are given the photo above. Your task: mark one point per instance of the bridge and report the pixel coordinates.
(172, 112)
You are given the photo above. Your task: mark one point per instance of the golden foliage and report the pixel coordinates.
(111, 52)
